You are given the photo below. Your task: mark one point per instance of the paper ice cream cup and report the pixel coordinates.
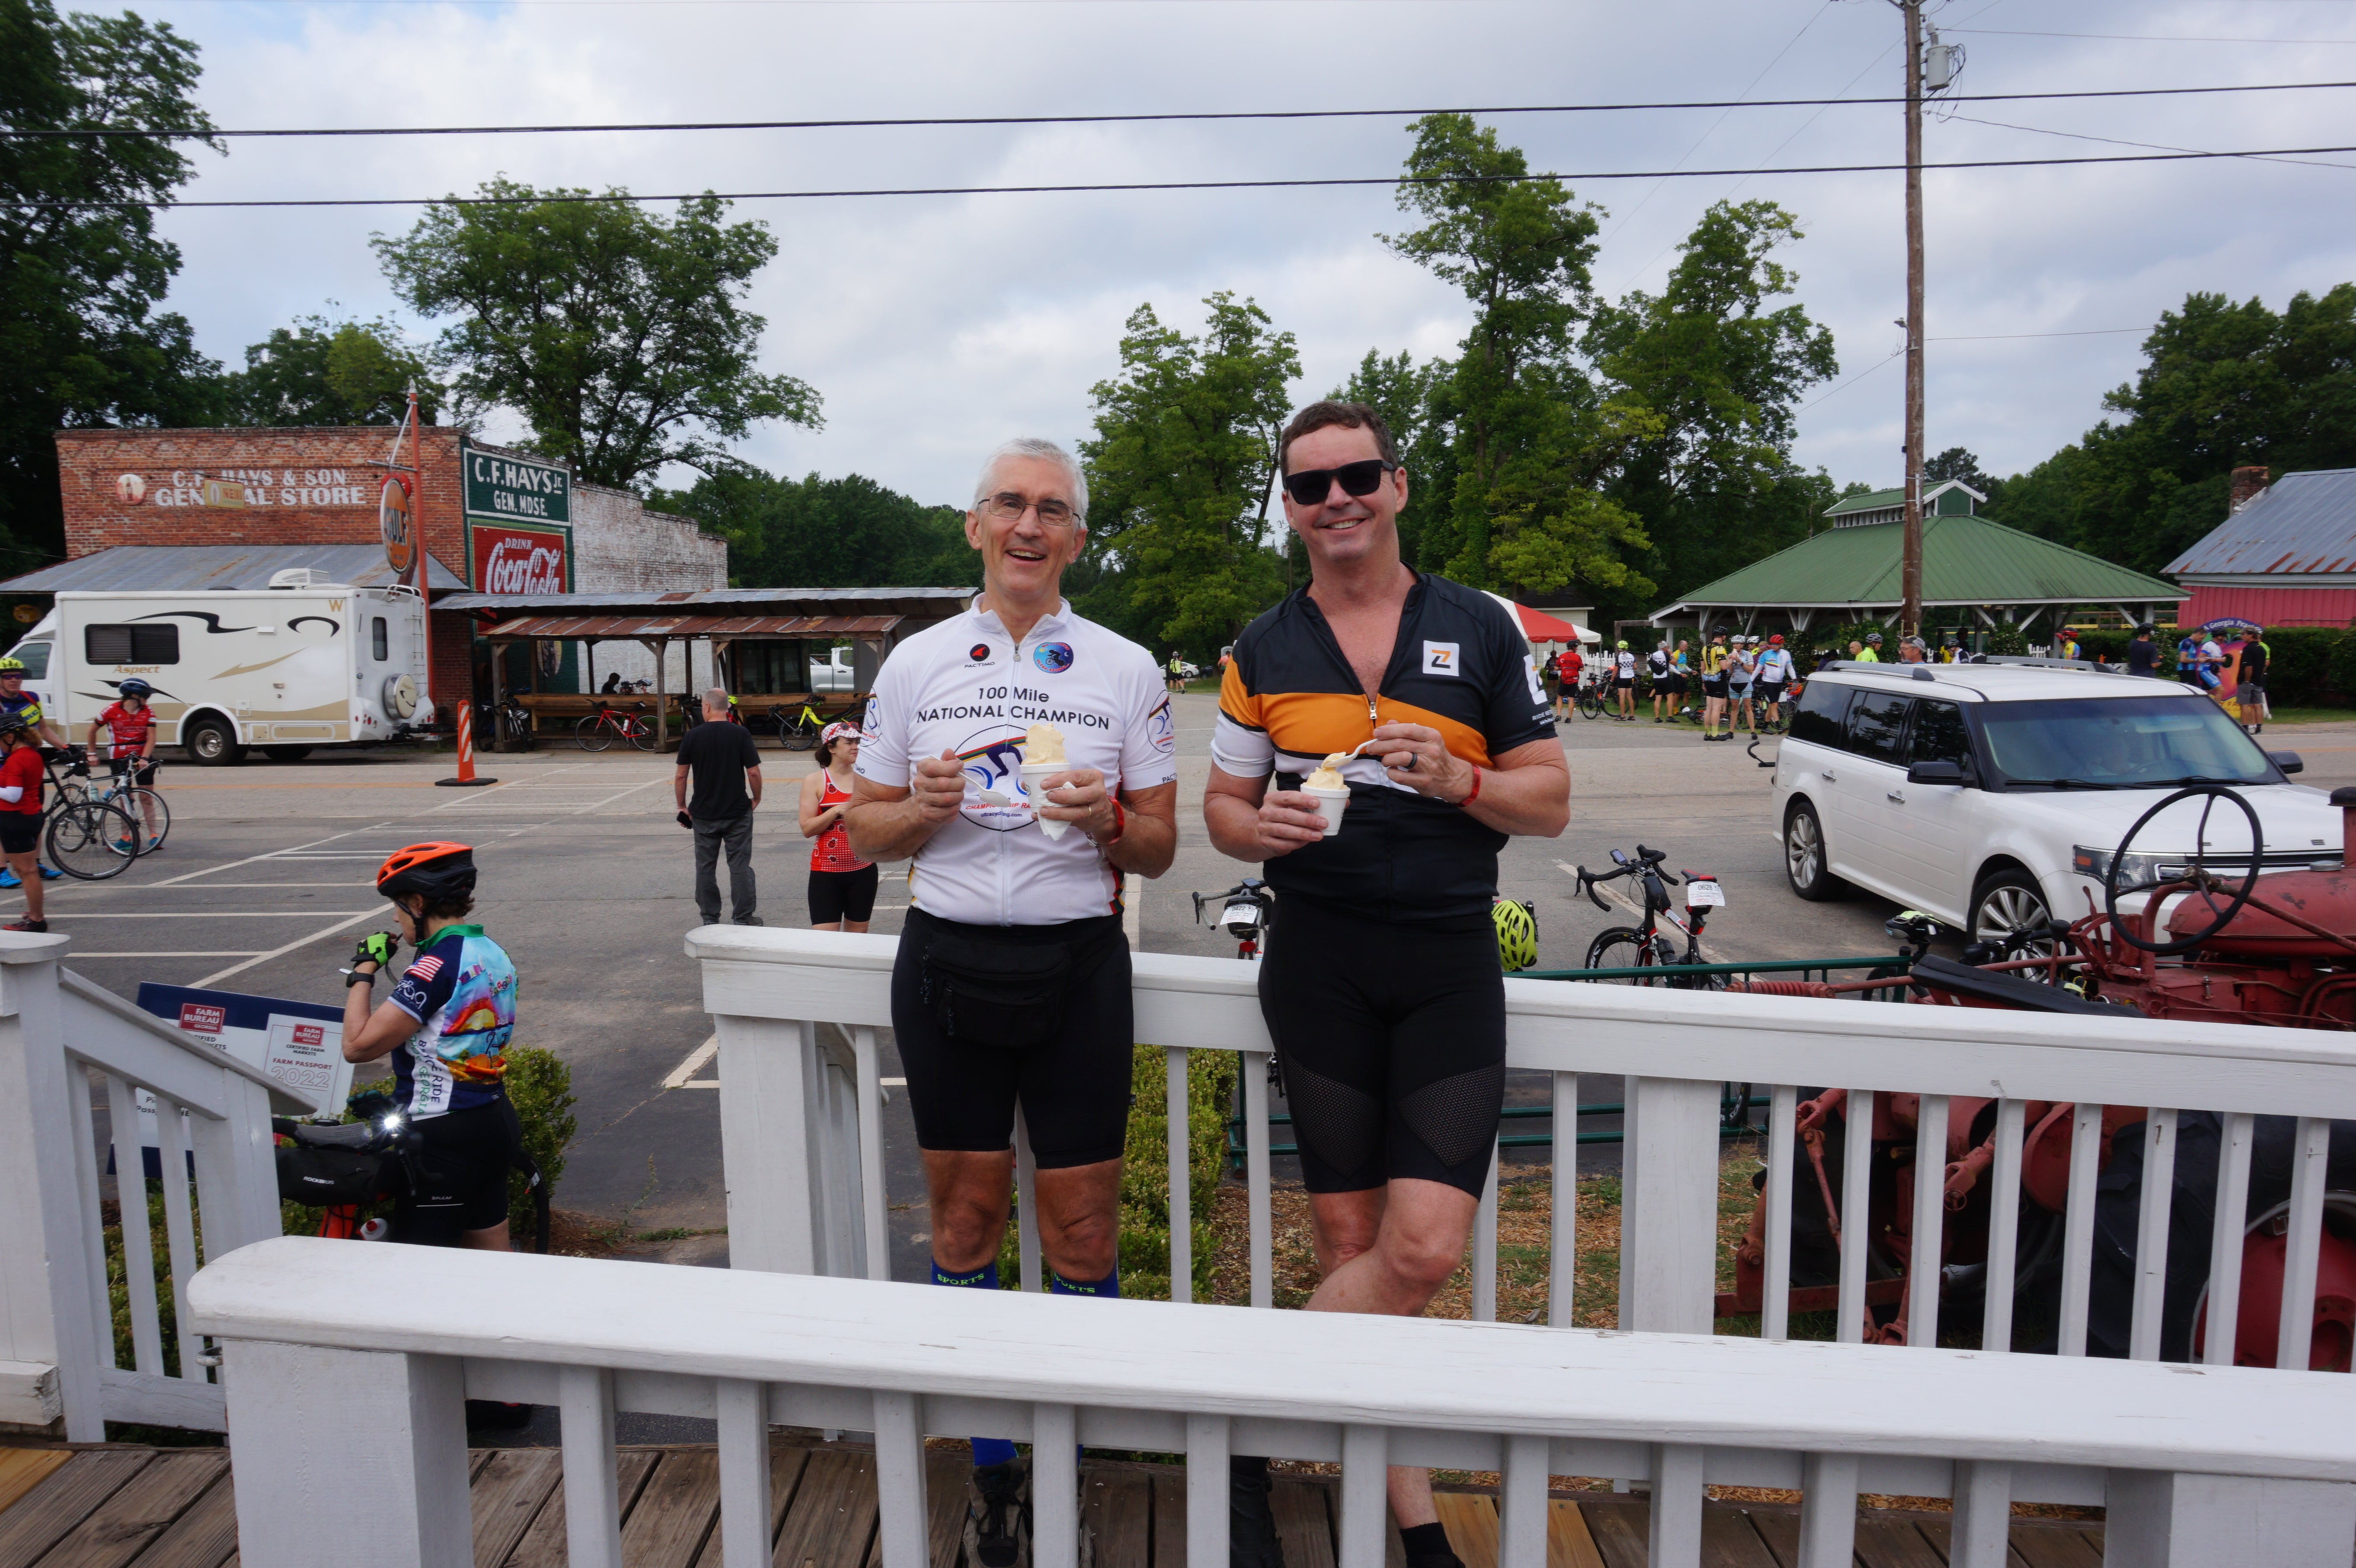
(1330, 804)
(1035, 776)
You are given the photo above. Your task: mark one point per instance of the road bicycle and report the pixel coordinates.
(139, 801)
(1642, 946)
(1590, 698)
(1246, 912)
(800, 729)
(599, 729)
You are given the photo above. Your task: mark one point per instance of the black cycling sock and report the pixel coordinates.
(1427, 1547)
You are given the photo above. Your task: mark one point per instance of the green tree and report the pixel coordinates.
(1955, 463)
(319, 372)
(1181, 473)
(79, 332)
(619, 336)
(1403, 391)
(2223, 385)
(1529, 432)
(827, 533)
(1719, 370)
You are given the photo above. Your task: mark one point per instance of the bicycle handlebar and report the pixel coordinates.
(1646, 861)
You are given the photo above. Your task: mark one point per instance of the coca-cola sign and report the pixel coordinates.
(516, 560)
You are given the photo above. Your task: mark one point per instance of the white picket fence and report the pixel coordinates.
(348, 1367)
(56, 1335)
(801, 1129)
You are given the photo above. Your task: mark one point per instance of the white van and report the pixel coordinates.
(298, 665)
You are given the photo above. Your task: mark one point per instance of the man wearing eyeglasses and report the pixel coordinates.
(1012, 982)
(1382, 986)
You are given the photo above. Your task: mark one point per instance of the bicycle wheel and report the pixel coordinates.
(640, 733)
(800, 732)
(1591, 703)
(1624, 947)
(145, 808)
(592, 734)
(93, 841)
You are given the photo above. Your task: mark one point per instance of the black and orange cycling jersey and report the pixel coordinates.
(1460, 666)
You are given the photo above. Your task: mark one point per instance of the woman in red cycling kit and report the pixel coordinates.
(841, 885)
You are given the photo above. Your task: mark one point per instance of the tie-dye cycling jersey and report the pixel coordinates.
(461, 988)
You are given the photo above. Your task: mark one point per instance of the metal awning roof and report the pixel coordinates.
(143, 569)
(924, 603)
(2303, 525)
(576, 628)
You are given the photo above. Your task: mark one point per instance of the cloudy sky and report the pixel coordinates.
(935, 326)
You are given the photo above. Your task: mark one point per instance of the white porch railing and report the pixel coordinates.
(801, 1125)
(348, 1367)
(57, 1330)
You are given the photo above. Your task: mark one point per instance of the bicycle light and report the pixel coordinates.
(392, 1124)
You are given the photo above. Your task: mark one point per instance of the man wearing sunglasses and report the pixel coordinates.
(1382, 987)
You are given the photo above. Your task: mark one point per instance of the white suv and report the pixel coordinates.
(1994, 797)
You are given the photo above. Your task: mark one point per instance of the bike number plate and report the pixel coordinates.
(1700, 894)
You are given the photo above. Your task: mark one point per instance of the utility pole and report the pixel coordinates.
(1909, 571)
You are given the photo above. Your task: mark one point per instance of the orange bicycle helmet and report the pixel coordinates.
(437, 871)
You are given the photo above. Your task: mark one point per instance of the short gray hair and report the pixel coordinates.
(1045, 452)
(716, 697)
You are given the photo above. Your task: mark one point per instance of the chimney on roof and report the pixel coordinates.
(2249, 483)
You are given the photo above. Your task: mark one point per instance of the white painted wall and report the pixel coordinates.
(620, 547)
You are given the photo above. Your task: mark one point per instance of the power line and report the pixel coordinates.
(1852, 382)
(1168, 185)
(2082, 331)
(100, 131)
(2122, 142)
(2141, 38)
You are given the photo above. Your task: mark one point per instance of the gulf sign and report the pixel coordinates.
(518, 560)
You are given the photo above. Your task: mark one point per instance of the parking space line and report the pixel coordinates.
(273, 855)
(234, 953)
(683, 1075)
(280, 952)
(226, 914)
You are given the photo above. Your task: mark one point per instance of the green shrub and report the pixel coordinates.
(1145, 1173)
(540, 1085)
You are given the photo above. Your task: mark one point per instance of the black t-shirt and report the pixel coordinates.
(2253, 662)
(2143, 656)
(717, 756)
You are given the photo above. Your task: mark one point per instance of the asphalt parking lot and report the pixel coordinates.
(587, 882)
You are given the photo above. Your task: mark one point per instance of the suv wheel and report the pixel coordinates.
(1803, 854)
(2008, 900)
(211, 743)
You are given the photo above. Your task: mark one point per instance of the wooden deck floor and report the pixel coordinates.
(150, 1508)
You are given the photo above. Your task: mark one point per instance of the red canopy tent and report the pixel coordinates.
(1541, 627)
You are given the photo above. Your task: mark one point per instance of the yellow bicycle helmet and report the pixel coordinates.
(1517, 935)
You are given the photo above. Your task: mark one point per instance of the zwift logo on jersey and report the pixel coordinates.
(1052, 658)
(1439, 658)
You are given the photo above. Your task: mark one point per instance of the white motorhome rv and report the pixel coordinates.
(298, 665)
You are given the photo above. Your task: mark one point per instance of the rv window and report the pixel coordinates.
(34, 655)
(131, 645)
(380, 646)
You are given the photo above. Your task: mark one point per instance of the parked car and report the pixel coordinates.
(1994, 797)
(834, 673)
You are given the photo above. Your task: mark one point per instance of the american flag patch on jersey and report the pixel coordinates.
(424, 970)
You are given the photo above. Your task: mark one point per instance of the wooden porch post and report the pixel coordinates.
(662, 647)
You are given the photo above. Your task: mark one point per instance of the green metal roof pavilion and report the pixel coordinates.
(1851, 574)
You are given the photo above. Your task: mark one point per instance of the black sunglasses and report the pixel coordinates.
(1311, 486)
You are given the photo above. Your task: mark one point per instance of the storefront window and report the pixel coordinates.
(770, 666)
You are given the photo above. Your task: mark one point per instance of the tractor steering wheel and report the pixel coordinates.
(2196, 876)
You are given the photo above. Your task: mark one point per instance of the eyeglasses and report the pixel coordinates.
(1007, 505)
(1311, 486)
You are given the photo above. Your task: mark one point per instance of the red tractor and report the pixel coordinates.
(2209, 941)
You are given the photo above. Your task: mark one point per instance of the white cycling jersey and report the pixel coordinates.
(1775, 666)
(965, 686)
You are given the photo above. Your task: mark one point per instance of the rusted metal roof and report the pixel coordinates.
(575, 627)
(2303, 525)
(185, 569)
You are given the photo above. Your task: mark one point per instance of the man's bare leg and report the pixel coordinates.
(1388, 1250)
(972, 1194)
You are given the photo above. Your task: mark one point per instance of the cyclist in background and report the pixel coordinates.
(1623, 681)
(18, 703)
(1656, 665)
(1774, 674)
(21, 776)
(1713, 686)
(1871, 651)
(1566, 665)
(447, 1027)
(841, 885)
(129, 725)
(1739, 669)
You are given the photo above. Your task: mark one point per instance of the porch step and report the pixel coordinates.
(117, 1505)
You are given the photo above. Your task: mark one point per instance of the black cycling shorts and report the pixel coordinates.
(1711, 687)
(142, 770)
(1621, 683)
(20, 832)
(1392, 1040)
(1074, 1089)
(1771, 691)
(463, 1175)
(843, 895)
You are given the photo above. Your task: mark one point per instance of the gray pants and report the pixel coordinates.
(736, 835)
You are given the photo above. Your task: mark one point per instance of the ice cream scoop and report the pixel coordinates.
(1042, 758)
(1329, 773)
(1330, 790)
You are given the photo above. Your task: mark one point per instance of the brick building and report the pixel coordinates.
(497, 519)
